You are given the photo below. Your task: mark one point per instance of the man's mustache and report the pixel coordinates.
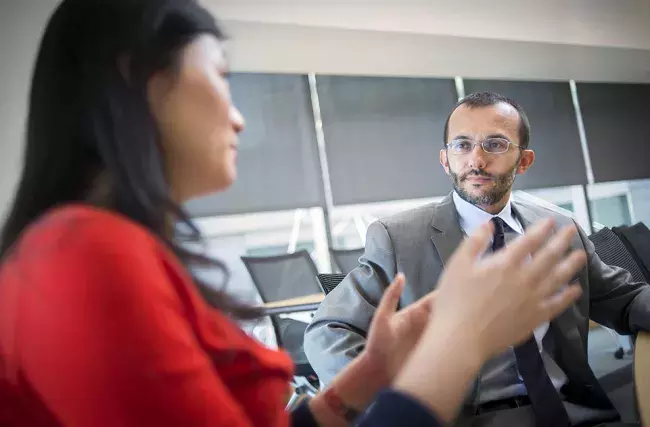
(476, 172)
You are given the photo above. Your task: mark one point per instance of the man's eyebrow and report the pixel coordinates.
(498, 135)
(461, 137)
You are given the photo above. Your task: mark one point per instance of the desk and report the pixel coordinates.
(642, 375)
(294, 305)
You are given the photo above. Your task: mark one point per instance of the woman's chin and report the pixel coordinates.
(227, 180)
(217, 184)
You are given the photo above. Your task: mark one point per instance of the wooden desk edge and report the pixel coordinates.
(642, 375)
(307, 299)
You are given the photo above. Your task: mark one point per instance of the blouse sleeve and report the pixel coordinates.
(105, 339)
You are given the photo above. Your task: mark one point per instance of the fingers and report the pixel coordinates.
(556, 304)
(549, 255)
(390, 299)
(530, 242)
(562, 273)
(476, 244)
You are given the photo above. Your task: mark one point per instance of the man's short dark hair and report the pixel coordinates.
(487, 99)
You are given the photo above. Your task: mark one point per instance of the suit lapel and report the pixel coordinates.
(447, 234)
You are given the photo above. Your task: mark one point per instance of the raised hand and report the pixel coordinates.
(485, 304)
(502, 297)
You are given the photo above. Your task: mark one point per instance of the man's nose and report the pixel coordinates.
(477, 158)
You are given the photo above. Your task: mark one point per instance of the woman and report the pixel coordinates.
(100, 322)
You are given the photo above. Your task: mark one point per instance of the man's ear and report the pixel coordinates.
(527, 159)
(444, 161)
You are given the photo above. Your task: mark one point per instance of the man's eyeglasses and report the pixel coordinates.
(490, 146)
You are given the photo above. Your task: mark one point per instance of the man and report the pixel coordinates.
(486, 142)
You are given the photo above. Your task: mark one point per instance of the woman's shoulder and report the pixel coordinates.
(92, 252)
(86, 229)
(82, 239)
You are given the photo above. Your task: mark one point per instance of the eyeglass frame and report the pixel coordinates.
(474, 144)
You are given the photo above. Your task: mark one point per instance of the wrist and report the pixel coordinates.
(463, 335)
(465, 343)
(350, 392)
(373, 369)
(338, 407)
(441, 368)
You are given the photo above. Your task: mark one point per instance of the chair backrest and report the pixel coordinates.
(612, 251)
(346, 259)
(284, 276)
(290, 336)
(636, 239)
(329, 281)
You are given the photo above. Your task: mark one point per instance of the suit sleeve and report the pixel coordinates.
(108, 343)
(337, 334)
(615, 300)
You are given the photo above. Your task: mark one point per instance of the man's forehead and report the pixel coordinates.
(493, 117)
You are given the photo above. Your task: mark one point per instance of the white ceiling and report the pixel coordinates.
(595, 40)
(616, 23)
(590, 40)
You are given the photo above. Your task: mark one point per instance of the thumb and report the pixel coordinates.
(390, 299)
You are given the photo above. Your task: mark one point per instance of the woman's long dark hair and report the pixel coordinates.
(89, 117)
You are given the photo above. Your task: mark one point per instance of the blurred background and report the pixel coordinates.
(345, 102)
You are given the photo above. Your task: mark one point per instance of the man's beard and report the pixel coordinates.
(502, 184)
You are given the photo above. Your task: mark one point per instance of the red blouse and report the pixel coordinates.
(100, 325)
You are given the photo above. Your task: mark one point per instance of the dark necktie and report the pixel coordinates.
(548, 408)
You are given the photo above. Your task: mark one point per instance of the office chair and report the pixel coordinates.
(290, 335)
(636, 239)
(329, 281)
(285, 276)
(612, 251)
(346, 259)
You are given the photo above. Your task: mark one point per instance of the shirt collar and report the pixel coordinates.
(472, 217)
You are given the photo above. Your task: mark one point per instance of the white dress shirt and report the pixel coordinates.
(471, 218)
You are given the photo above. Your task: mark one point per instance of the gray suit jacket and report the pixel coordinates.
(418, 243)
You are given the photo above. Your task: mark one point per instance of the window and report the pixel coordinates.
(278, 250)
(611, 211)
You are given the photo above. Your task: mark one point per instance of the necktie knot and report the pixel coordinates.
(499, 225)
(499, 240)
